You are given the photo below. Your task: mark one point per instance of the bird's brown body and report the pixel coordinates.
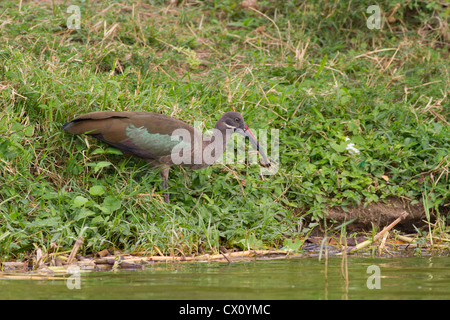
(111, 127)
(160, 139)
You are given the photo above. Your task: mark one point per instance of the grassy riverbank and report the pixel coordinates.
(314, 71)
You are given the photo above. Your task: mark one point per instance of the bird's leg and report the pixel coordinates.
(165, 184)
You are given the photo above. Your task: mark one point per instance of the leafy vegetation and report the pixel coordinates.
(312, 70)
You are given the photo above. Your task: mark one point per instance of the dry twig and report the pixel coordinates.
(379, 234)
(75, 249)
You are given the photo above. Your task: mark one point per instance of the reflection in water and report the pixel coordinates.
(307, 278)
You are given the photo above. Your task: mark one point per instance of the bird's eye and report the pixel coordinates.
(237, 119)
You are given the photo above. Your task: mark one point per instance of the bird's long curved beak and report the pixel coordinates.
(248, 134)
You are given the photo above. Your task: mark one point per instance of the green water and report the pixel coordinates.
(399, 278)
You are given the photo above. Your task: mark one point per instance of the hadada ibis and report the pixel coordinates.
(161, 140)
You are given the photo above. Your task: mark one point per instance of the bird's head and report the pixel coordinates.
(234, 121)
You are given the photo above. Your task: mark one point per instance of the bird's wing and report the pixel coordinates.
(156, 144)
(143, 134)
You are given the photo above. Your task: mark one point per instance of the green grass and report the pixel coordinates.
(312, 70)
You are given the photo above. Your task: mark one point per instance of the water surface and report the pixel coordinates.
(307, 278)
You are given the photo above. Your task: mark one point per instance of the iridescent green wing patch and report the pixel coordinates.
(154, 143)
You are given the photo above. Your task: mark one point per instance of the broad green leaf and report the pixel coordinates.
(99, 165)
(84, 213)
(339, 147)
(29, 131)
(110, 204)
(97, 190)
(79, 201)
(49, 222)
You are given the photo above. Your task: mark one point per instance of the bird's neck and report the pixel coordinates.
(216, 146)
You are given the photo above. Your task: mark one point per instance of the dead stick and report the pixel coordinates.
(379, 234)
(389, 227)
(221, 256)
(75, 248)
(225, 256)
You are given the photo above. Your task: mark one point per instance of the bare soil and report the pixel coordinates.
(380, 214)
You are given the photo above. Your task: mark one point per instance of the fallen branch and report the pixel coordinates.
(75, 249)
(405, 239)
(228, 257)
(380, 234)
